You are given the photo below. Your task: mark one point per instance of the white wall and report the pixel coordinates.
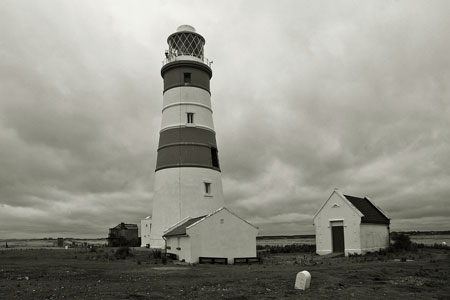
(181, 242)
(187, 94)
(337, 208)
(146, 226)
(180, 193)
(229, 238)
(374, 237)
(180, 100)
(176, 115)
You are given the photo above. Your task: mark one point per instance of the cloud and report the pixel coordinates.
(306, 97)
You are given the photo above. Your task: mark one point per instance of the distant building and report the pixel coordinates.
(350, 225)
(146, 228)
(123, 235)
(221, 234)
(60, 242)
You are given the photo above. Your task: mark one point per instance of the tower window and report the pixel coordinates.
(190, 118)
(207, 188)
(187, 77)
(214, 157)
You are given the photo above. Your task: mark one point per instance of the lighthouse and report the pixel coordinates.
(187, 176)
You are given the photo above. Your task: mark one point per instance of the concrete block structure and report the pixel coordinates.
(350, 225)
(221, 234)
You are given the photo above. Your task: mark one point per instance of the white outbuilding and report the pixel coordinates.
(350, 225)
(219, 235)
(146, 228)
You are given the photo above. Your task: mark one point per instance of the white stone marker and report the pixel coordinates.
(302, 280)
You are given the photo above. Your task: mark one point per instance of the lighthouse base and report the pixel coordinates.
(181, 193)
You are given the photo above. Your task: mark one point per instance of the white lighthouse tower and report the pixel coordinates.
(187, 178)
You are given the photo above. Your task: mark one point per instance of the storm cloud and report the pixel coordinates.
(307, 97)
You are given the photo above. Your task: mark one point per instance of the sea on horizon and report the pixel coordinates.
(419, 239)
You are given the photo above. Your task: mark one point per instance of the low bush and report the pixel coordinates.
(434, 246)
(123, 253)
(401, 242)
(156, 253)
(294, 248)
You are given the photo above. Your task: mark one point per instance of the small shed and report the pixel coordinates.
(351, 225)
(221, 234)
(123, 235)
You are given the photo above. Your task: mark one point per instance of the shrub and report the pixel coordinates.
(156, 253)
(123, 242)
(294, 248)
(402, 241)
(122, 253)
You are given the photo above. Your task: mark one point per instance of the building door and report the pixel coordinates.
(338, 238)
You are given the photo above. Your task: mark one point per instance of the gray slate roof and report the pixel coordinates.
(181, 229)
(125, 226)
(371, 213)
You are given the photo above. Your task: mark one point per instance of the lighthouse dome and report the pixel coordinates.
(185, 28)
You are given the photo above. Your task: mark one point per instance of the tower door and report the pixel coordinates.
(338, 238)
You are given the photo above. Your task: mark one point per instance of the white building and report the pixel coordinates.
(146, 228)
(350, 225)
(221, 234)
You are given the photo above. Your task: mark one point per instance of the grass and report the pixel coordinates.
(82, 274)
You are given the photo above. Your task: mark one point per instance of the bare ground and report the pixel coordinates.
(81, 274)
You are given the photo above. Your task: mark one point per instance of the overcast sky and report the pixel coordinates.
(307, 96)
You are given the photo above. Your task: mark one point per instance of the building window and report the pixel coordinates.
(190, 118)
(207, 188)
(214, 157)
(187, 77)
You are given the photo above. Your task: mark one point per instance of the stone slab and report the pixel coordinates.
(302, 280)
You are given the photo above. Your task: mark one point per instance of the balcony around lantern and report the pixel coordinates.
(172, 58)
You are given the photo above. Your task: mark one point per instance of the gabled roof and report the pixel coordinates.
(337, 192)
(125, 226)
(180, 229)
(372, 214)
(220, 209)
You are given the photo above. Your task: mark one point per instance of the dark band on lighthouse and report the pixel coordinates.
(174, 75)
(187, 147)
